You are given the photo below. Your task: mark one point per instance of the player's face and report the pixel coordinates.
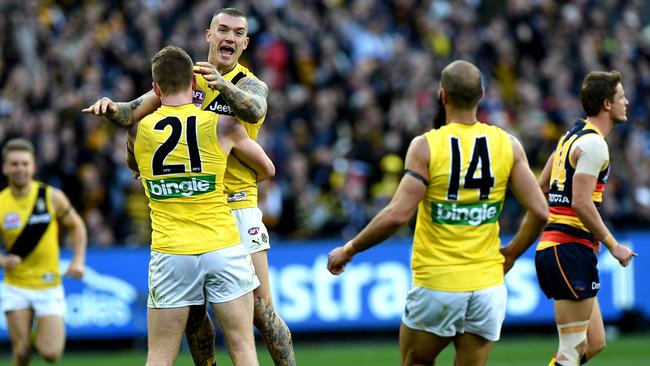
(19, 168)
(228, 39)
(619, 103)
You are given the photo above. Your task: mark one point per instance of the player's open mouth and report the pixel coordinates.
(226, 50)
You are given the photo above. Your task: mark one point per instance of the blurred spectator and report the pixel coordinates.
(351, 83)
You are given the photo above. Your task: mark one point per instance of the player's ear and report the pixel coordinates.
(607, 104)
(208, 35)
(246, 42)
(193, 81)
(156, 89)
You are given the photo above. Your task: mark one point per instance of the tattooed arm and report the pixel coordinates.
(125, 114)
(247, 98)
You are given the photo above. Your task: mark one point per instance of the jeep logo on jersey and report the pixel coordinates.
(465, 214)
(219, 106)
(162, 189)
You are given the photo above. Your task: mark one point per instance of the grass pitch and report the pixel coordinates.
(510, 351)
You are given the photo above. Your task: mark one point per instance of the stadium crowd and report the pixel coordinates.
(351, 82)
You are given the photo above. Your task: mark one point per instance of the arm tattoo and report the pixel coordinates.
(247, 99)
(123, 116)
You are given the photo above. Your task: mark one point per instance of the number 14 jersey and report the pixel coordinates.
(182, 167)
(456, 242)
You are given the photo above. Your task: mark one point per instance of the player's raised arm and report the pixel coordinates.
(124, 114)
(245, 149)
(528, 192)
(68, 216)
(247, 98)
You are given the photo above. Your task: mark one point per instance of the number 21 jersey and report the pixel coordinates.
(182, 167)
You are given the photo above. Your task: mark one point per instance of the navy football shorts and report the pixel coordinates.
(567, 271)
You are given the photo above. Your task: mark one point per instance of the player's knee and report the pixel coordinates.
(22, 354)
(595, 347)
(51, 355)
(573, 342)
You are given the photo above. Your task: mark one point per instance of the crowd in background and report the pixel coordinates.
(351, 83)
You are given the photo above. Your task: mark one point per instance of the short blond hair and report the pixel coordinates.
(17, 144)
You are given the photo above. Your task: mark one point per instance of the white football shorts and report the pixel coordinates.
(182, 280)
(252, 232)
(47, 302)
(447, 314)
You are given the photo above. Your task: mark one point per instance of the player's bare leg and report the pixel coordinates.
(165, 331)
(472, 350)
(235, 318)
(50, 337)
(274, 330)
(200, 336)
(595, 332)
(19, 324)
(418, 347)
(572, 318)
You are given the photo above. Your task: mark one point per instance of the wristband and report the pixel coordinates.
(609, 241)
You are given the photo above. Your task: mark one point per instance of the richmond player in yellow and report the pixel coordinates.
(456, 178)
(196, 255)
(226, 87)
(31, 212)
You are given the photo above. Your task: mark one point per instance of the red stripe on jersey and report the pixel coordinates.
(561, 237)
(562, 210)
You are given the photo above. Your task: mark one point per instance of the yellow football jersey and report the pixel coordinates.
(456, 242)
(182, 167)
(240, 181)
(30, 222)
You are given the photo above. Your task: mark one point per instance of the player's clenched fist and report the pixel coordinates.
(102, 107)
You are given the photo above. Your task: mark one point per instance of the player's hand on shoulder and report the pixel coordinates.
(11, 261)
(336, 260)
(76, 270)
(210, 74)
(623, 254)
(102, 107)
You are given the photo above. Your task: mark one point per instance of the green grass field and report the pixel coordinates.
(511, 351)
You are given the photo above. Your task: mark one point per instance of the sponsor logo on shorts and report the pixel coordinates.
(162, 189)
(595, 285)
(265, 238)
(253, 231)
(11, 221)
(465, 214)
(49, 277)
(238, 196)
(579, 285)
